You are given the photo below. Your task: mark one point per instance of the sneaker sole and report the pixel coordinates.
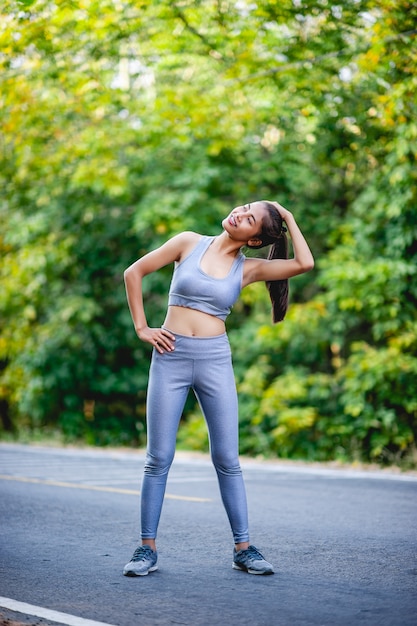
(132, 573)
(252, 571)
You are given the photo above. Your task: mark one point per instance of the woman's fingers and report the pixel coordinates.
(163, 340)
(160, 338)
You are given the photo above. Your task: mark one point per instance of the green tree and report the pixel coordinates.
(354, 346)
(125, 123)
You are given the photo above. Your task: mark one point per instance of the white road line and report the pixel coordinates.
(53, 616)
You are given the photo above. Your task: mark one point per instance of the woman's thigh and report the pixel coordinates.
(168, 387)
(216, 392)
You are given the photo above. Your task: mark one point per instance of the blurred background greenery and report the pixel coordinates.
(124, 122)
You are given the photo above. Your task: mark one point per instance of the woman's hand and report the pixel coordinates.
(284, 213)
(160, 338)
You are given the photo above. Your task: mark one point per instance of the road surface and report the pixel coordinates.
(343, 542)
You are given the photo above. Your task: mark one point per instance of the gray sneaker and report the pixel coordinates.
(142, 562)
(251, 561)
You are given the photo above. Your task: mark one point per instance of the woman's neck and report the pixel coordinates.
(225, 245)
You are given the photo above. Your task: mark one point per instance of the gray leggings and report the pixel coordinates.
(203, 364)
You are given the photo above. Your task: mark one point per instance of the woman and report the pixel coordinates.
(191, 351)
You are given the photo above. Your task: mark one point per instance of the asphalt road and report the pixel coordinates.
(344, 543)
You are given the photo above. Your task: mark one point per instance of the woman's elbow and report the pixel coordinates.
(308, 264)
(134, 273)
(127, 274)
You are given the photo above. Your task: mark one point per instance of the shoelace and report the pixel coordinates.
(142, 553)
(253, 553)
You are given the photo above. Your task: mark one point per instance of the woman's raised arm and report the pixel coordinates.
(280, 269)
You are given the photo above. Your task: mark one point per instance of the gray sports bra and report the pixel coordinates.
(194, 289)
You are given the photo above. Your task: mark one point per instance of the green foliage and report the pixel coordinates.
(378, 398)
(124, 123)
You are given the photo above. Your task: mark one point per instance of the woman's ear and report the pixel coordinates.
(254, 242)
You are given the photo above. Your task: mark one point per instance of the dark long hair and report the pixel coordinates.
(273, 234)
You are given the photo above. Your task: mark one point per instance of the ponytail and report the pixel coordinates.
(273, 234)
(279, 289)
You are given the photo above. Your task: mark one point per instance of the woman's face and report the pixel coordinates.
(245, 222)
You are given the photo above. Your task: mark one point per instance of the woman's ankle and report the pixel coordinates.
(242, 546)
(149, 542)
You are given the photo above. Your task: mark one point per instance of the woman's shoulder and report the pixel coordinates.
(189, 236)
(187, 241)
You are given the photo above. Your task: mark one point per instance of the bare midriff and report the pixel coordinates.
(184, 321)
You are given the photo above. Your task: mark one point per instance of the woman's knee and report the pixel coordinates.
(159, 463)
(226, 463)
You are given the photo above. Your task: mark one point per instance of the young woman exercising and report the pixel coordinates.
(191, 351)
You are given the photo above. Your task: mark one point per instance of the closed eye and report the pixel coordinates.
(251, 218)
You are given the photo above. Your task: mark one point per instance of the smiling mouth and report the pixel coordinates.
(232, 220)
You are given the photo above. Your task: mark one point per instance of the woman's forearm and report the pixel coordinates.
(133, 284)
(302, 252)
